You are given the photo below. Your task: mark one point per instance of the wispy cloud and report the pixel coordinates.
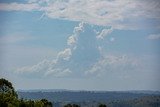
(154, 36)
(19, 7)
(14, 38)
(106, 13)
(120, 14)
(112, 39)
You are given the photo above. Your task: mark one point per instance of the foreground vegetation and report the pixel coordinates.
(9, 97)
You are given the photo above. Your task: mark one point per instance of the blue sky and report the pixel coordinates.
(80, 45)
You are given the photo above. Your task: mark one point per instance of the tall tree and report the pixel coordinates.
(6, 87)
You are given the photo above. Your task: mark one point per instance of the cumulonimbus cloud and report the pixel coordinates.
(82, 57)
(104, 32)
(113, 63)
(58, 67)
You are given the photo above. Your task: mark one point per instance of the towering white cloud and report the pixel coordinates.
(104, 33)
(62, 64)
(72, 40)
(82, 56)
(114, 63)
(64, 55)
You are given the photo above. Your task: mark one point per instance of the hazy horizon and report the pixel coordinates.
(83, 90)
(110, 45)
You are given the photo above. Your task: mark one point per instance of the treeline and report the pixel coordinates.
(9, 97)
(76, 105)
(148, 101)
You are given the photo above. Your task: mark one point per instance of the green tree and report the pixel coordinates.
(46, 103)
(102, 105)
(75, 105)
(71, 105)
(68, 105)
(9, 98)
(6, 87)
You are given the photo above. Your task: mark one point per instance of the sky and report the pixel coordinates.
(110, 45)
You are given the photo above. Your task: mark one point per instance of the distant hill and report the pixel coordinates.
(148, 101)
(93, 98)
(79, 96)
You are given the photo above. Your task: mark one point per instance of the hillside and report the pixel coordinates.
(79, 96)
(149, 101)
(60, 98)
